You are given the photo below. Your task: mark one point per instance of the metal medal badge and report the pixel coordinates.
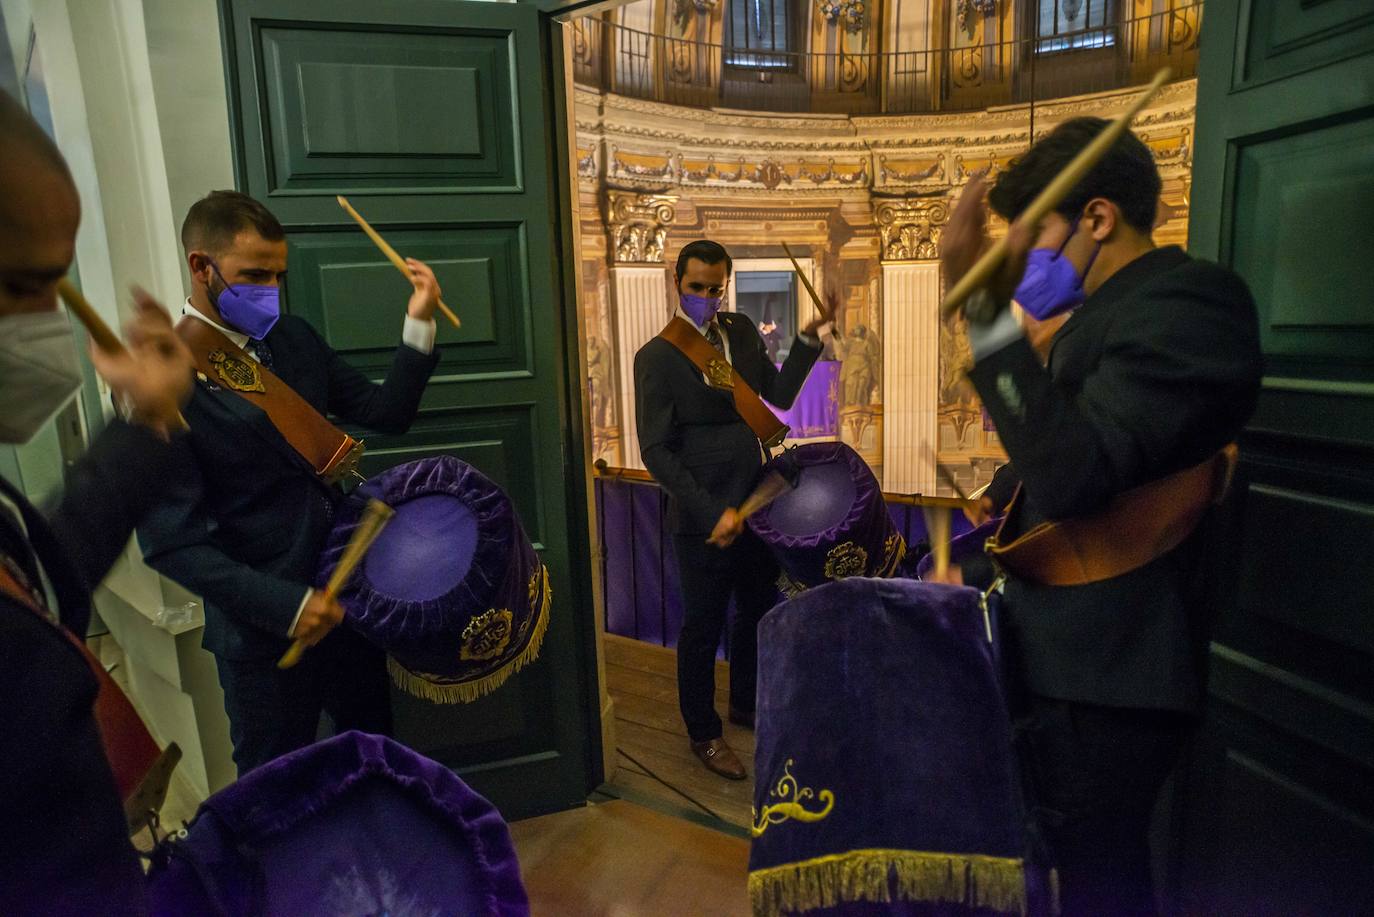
(240, 375)
(719, 374)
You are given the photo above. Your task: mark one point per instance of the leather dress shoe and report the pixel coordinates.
(719, 759)
(744, 718)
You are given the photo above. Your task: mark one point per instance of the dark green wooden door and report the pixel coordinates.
(435, 118)
(1280, 818)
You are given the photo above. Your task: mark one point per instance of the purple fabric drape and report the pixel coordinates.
(816, 412)
(643, 598)
(643, 594)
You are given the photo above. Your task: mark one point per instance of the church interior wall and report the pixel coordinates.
(857, 194)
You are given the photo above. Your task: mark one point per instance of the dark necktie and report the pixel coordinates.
(260, 350)
(713, 338)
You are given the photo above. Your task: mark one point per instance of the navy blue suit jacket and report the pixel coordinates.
(1155, 372)
(244, 517)
(691, 438)
(67, 850)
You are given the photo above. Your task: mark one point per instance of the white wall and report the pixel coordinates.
(140, 112)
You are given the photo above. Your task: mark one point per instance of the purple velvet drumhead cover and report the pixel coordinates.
(884, 776)
(833, 523)
(355, 825)
(452, 589)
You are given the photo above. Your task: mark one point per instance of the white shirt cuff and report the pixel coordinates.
(419, 335)
(992, 337)
(814, 341)
(297, 619)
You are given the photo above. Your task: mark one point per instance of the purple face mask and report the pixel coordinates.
(700, 309)
(249, 307)
(1051, 284)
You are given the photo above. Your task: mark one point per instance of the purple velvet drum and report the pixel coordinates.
(832, 524)
(452, 589)
(357, 824)
(885, 781)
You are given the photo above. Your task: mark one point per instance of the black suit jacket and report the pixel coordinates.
(66, 849)
(691, 438)
(244, 517)
(1155, 372)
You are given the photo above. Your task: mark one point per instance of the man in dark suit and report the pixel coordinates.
(245, 516)
(704, 455)
(1155, 372)
(66, 847)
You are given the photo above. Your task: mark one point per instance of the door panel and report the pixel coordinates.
(1279, 814)
(434, 116)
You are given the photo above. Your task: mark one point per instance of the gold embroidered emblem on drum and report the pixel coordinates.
(487, 635)
(240, 375)
(791, 806)
(847, 559)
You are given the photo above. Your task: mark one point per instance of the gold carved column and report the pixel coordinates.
(637, 235)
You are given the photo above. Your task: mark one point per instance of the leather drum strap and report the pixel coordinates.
(718, 371)
(331, 452)
(128, 745)
(1137, 527)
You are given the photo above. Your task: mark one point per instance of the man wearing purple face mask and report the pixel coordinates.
(246, 513)
(1156, 369)
(706, 456)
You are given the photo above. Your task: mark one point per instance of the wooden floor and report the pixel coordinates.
(642, 679)
(625, 860)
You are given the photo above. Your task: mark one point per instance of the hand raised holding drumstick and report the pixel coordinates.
(427, 295)
(150, 371)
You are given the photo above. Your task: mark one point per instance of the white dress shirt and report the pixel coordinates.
(416, 334)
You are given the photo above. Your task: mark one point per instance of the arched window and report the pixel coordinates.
(762, 34)
(1066, 25)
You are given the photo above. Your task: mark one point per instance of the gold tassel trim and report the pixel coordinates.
(435, 689)
(883, 876)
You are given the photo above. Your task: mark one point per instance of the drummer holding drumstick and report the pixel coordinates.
(1154, 373)
(250, 505)
(701, 425)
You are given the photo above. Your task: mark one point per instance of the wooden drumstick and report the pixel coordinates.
(391, 254)
(805, 282)
(938, 528)
(374, 519)
(95, 326)
(770, 488)
(1049, 198)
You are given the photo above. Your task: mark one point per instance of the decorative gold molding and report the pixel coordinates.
(639, 225)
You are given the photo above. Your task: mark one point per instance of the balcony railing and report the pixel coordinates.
(698, 75)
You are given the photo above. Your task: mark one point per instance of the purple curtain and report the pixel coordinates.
(816, 412)
(643, 597)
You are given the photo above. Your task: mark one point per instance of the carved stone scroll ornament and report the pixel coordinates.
(639, 225)
(910, 228)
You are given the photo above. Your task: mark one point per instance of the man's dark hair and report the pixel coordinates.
(705, 251)
(1126, 176)
(214, 221)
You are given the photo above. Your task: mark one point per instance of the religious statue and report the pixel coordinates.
(861, 354)
(599, 382)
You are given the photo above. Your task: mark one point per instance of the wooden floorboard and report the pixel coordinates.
(618, 858)
(642, 678)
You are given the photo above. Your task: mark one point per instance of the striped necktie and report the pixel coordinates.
(713, 338)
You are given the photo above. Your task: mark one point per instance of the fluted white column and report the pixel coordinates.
(911, 375)
(641, 311)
